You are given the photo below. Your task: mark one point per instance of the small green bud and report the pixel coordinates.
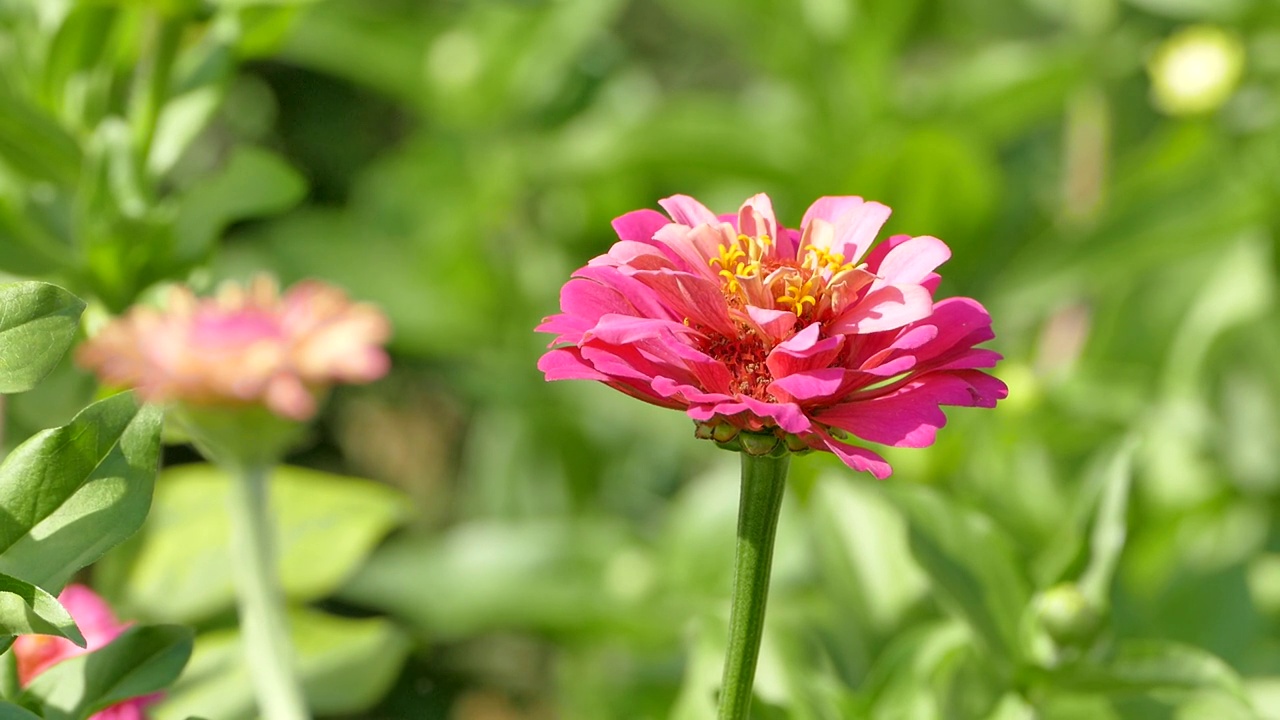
(1068, 616)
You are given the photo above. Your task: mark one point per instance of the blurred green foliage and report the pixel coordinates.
(1101, 546)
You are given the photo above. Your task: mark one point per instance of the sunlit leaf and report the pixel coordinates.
(325, 525)
(25, 608)
(71, 493)
(38, 322)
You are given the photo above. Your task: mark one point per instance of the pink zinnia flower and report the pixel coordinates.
(246, 346)
(37, 653)
(813, 336)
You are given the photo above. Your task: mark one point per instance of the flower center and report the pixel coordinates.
(745, 357)
(749, 273)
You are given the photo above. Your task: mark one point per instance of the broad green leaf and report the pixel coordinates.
(141, 660)
(25, 608)
(346, 665)
(486, 576)
(38, 321)
(9, 711)
(254, 182)
(984, 588)
(1152, 666)
(69, 494)
(325, 526)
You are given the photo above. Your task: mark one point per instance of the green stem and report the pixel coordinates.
(263, 628)
(763, 482)
(151, 88)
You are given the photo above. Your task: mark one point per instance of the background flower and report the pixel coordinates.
(246, 346)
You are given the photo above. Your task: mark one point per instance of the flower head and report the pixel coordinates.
(37, 653)
(813, 336)
(248, 346)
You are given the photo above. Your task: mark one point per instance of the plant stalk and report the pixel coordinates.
(263, 627)
(763, 483)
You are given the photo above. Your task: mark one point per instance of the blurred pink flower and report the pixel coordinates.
(37, 653)
(246, 346)
(812, 335)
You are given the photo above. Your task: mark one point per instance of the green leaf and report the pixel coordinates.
(1153, 666)
(485, 576)
(254, 182)
(325, 525)
(69, 494)
(345, 664)
(38, 321)
(984, 587)
(142, 660)
(1110, 528)
(25, 608)
(9, 711)
(910, 676)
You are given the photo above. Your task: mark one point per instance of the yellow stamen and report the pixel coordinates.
(797, 295)
(728, 255)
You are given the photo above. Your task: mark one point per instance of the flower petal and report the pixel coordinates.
(809, 385)
(639, 225)
(625, 329)
(687, 211)
(773, 324)
(911, 262)
(856, 230)
(857, 458)
(887, 308)
(692, 297)
(804, 351)
(567, 364)
(831, 208)
(742, 409)
(911, 416)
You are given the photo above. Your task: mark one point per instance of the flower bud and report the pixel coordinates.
(1068, 616)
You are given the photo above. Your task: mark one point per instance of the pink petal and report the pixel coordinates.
(887, 308)
(910, 416)
(687, 211)
(809, 384)
(856, 230)
(911, 262)
(831, 208)
(647, 303)
(639, 225)
(756, 218)
(589, 299)
(692, 297)
(641, 256)
(787, 416)
(626, 329)
(804, 351)
(670, 388)
(567, 364)
(773, 324)
(858, 458)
